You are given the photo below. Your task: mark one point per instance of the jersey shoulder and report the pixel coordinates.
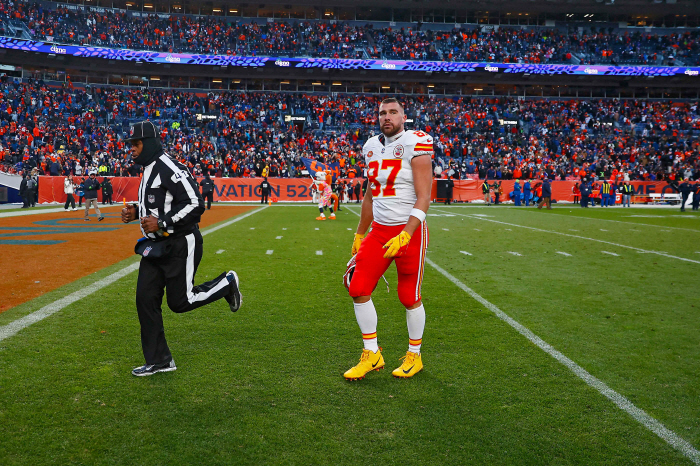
(422, 143)
(373, 141)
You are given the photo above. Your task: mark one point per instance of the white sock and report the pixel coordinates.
(415, 320)
(366, 317)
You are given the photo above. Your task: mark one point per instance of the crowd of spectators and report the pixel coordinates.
(62, 129)
(228, 36)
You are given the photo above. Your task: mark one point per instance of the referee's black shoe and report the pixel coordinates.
(150, 369)
(234, 297)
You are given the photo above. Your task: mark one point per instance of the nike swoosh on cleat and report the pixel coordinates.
(409, 369)
(375, 364)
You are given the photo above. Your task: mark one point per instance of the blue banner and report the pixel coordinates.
(314, 166)
(340, 64)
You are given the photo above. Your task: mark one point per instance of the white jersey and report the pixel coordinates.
(390, 174)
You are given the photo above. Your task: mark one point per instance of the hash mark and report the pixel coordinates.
(220, 251)
(319, 253)
(564, 253)
(279, 237)
(269, 252)
(514, 253)
(465, 252)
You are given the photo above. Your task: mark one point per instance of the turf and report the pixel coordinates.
(265, 386)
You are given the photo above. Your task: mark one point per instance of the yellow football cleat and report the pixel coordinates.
(320, 218)
(412, 364)
(369, 361)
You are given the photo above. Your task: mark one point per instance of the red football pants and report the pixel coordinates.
(371, 263)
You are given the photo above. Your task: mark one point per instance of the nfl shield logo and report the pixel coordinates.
(151, 199)
(131, 131)
(146, 251)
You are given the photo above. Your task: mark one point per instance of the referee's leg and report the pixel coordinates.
(180, 269)
(149, 296)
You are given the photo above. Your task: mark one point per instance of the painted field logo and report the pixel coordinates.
(398, 151)
(147, 251)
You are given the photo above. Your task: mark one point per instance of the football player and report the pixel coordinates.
(399, 171)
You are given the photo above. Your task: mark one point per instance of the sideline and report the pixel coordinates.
(573, 236)
(16, 326)
(623, 403)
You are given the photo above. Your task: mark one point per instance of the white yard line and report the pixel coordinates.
(220, 251)
(623, 403)
(514, 253)
(37, 211)
(564, 253)
(685, 259)
(466, 253)
(622, 221)
(610, 253)
(269, 252)
(13, 327)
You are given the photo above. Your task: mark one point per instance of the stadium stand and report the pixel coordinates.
(499, 138)
(439, 42)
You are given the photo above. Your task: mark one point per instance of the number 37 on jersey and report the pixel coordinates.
(389, 170)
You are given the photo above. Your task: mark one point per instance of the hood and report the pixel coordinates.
(152, 148)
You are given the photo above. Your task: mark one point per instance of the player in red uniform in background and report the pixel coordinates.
(399, 171)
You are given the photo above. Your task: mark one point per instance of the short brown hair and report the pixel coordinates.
(392, 100)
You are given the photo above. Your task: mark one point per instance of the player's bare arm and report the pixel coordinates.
(422, 183)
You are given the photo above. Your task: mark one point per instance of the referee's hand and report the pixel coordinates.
(149, 224)
(129, 213)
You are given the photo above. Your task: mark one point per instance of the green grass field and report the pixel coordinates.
(265, 385)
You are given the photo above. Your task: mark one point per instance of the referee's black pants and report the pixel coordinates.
(176, 274)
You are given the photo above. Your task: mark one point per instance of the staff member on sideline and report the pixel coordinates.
(169, 208)
(91, 187)
(207, 185)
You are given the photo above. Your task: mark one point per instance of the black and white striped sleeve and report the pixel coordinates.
(187, 204)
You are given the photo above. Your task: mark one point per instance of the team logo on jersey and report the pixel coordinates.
(370, 154)
(398, 151)
(151, 199)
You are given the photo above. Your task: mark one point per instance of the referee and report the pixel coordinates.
(169, 209)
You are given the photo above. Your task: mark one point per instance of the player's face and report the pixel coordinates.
(391, 119)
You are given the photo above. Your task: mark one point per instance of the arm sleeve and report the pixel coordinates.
(187, 205)
(423, 146)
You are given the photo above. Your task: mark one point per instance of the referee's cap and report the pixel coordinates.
(142, 130)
